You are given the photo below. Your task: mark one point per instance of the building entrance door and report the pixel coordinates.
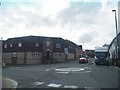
(48, 56)
(14, 58)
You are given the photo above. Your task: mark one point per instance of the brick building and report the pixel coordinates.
(39, 50)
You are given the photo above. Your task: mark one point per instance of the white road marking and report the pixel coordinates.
(87, 68)
(47, 69)
(63, 72)
(54, 85)
(38, 83)
(18, 67)
(73, 87)
(73, 70)
(91, 88)
(87, 71)
(69, 69)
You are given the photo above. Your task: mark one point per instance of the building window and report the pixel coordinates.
(14, 54)
(35, 54)
(10, 45)
(58, 46)
(19, 44)
(70, 47)
(5, 46)
(47, 43)
(37, 45)
(58, 54)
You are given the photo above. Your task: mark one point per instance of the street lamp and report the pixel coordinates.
(1, 50)
(115, 21)
(117, 41)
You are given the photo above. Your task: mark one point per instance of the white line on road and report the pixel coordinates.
(54, 85)
(38, 83)
(87, 71)
(91, 88)
(73, 69)
(63, 72)
(47, 69)
(18, 67)
(87, 68)
(73, 87)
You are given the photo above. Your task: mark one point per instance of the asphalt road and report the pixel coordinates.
(63, 75)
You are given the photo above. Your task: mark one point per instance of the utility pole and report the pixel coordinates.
(115, 22)
(1, 50)
(117, 41)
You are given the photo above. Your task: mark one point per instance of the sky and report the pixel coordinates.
(90, 23)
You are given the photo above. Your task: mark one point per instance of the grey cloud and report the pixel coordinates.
(15, 16)
(39, 21)
(87, 37)
(76, 13)
(79, 12)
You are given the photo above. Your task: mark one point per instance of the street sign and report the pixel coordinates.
(66, 50)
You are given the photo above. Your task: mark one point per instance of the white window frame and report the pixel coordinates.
(20, 44)
(58, 45)
(35, 54)
(5, 46)
(14, 54)
(47, 43)
(37, 44)
(11, 45)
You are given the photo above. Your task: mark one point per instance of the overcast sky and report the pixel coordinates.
(85, 22)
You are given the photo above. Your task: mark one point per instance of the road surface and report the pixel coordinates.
(63, 75)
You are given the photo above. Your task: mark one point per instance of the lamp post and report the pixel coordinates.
(115, 21)
(1, 50)
(116, 35)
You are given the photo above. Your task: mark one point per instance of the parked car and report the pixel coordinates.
(83, 60)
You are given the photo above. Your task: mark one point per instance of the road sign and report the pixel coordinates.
(66, 50)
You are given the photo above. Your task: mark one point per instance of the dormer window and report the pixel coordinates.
(47, 43)
(69, 46)
(19, 44)
(10, 45)
(37, 45)
(5, 46)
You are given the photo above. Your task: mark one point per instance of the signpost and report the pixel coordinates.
(66, 52)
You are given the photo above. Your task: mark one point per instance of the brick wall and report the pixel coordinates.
(59, 57)
(20, 58)
(70, 56)
(33, 58)
(7, 57)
